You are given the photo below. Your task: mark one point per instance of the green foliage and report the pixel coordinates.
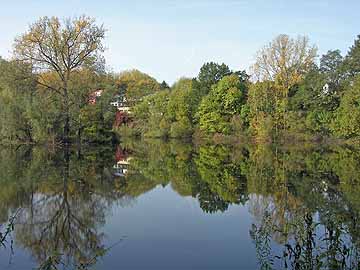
(164, 85)
(295, 96)
(221, 104)
(30, 113)
(136, 85)
(17, 87)
(261, 104)
(211, 73)
(309, 94)
(282, 187)
(351, 65)
(150, 115)
(183, 102)
(318, 121)
(168, 113)
(330, 65)
(97, 123)
(347, 121)
(182, 128)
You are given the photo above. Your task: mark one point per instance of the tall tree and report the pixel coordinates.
(347, 121)
(351, 65)
(164, 85)
(330, 64)
(285, 60)
(17, 88)
(181, 108)
(136, 85)
(211, 73)
(61, 47)
(261, 102)
(224, 101)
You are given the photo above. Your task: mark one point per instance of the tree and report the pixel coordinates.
(221, 104)
(261, 103)
(347, 121)
(17, 89)
(183, 103)
(211, 73)
(164, 85)
(330, 64)
(95, 121)
(150, 115)
(85, 81)
(61, 47)
(315, 99)
(285, 60)
(331, 61)
(136, 85)
(351, 65)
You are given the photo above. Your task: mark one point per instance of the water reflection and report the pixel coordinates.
(304, 200)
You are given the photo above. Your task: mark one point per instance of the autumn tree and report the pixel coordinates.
(261, 102)
(285, 61)
(135, 85)
(61, 47)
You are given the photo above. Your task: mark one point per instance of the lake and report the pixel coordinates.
(151, 204)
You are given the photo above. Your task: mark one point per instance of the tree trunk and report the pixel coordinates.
(79, 135)
(66, 137)
(67, 128)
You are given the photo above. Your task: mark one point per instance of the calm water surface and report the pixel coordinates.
(174, 205)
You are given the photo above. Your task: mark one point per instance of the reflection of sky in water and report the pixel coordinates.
(162, 230)
(177, 234)
(148, 224)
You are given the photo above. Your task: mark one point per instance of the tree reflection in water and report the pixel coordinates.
(63, 198)
(304, 200)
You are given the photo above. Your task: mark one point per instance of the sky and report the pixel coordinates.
(171, 39)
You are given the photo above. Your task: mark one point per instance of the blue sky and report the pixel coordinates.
(170, 39)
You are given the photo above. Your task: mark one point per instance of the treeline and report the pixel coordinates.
(33, 114)
(30, 113)
(212, 103)
(55, 89)
(57, 65)
(45, 86)
(290, 94)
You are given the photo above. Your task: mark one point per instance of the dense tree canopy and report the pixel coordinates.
(351, 65)
(285, 60)
(347, 122)
(135, 85)
(56, 89)
(223, 102)
(60, 48)
(294, 96)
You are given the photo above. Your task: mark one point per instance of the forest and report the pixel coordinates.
(47, 92)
